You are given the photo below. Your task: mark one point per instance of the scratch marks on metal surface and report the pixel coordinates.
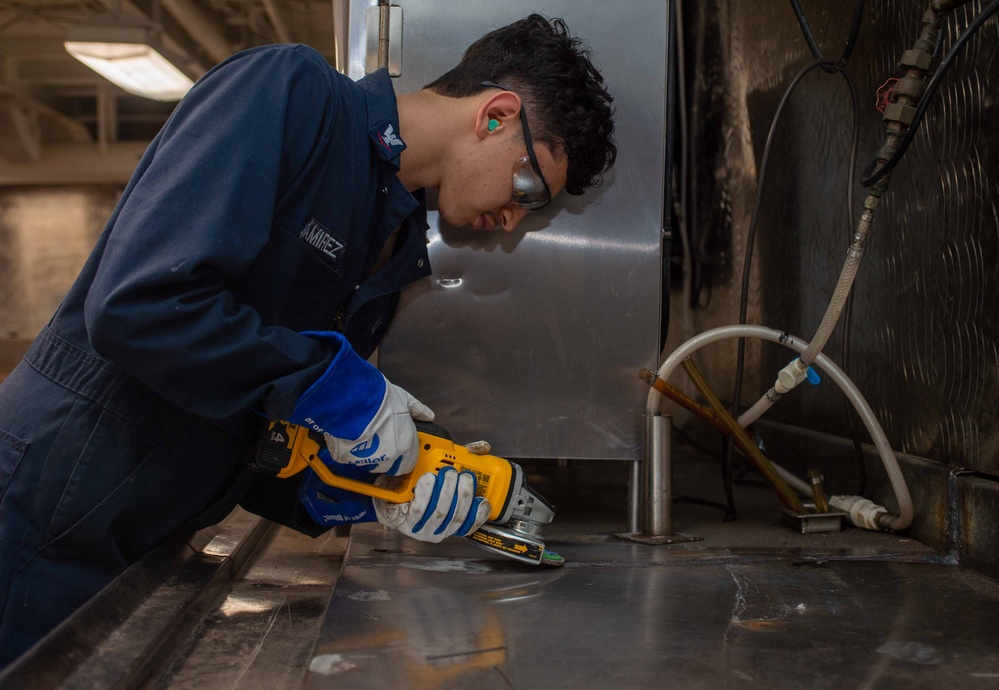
(378, 595)
(913, 652)
(769, 614)
(263, 637)
(740, 598)
(613, 437)
(468, 653)
(330, 664)
(445, 565)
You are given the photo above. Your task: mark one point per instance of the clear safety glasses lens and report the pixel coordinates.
(529, 189)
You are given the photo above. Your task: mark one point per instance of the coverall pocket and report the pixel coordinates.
(291, 286)
(107, 463)
(12, 449)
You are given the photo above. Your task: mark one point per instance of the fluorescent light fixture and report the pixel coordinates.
(128, 53)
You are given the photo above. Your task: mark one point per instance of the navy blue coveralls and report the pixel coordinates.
(256, 213)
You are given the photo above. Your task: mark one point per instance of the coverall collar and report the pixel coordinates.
(383, 116)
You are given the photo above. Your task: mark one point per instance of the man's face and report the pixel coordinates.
(478, 189)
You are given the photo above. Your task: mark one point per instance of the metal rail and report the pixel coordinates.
(182, 615)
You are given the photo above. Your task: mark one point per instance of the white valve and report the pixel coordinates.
(790, 376)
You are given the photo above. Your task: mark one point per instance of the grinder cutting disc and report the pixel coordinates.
(552, 559)
(515, 544)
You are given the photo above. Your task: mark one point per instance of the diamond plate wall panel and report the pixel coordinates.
(923, 340)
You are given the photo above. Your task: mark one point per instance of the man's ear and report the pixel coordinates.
(502, 108)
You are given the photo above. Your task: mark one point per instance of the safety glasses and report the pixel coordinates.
(530, 190)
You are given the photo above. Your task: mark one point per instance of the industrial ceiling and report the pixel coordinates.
(62, 123)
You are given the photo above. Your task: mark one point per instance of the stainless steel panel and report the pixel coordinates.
(533, 340)
(413, 615)
(924, 336)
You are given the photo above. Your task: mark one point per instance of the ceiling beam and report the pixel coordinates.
(72, 164)
(208, 32)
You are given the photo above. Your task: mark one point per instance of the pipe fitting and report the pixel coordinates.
(897, 112)
(911, 88)
(790, 376)
(916, 59)
(862, 512)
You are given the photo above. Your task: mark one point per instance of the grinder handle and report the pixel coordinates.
(307, 448)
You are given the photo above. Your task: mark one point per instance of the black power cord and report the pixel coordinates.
(851, 39)
(829, 67)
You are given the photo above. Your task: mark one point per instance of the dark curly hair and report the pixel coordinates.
(568, 107)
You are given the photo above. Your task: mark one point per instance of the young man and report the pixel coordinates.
(251, 266)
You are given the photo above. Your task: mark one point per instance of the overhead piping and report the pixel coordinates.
(277, 20)
(200, 26)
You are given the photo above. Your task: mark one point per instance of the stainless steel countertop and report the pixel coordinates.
(753, 604)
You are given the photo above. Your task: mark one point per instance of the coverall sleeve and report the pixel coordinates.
(161, 305)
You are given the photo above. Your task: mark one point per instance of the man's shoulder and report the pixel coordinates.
(284, 60)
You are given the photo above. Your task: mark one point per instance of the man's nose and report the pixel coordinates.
(511, 216)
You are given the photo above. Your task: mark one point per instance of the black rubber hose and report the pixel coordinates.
(747, 266)
(851, 40)
(807, 31)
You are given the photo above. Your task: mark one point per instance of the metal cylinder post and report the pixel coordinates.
(635, 497)
(650, 500)
(657, 489)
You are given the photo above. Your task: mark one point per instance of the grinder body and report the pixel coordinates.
(517, 512)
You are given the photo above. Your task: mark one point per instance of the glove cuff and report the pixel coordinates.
(345, 398)
(328, 505)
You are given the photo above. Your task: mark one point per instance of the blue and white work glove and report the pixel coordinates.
(444, 504)
(367, 421)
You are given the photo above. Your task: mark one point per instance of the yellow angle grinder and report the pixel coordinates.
(518, 512)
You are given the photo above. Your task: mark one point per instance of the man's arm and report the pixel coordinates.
(161, 305)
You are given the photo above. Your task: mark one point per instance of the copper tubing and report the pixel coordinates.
(688, 403)
(818, 491)
(742, 440)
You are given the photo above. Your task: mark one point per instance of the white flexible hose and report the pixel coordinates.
(835, 308)
(757, 410)
(793, 481)
(819, 340)
(899, 522)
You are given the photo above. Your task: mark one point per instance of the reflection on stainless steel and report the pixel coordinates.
(535, 350)
(235, 605)
(753, 604)
(694, 617)
(923, 340)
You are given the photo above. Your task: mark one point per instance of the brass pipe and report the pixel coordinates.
(746, 445)
(684, 401)
(818, 491)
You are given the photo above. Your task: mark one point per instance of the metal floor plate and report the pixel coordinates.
(251, 605)
(449, 616)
